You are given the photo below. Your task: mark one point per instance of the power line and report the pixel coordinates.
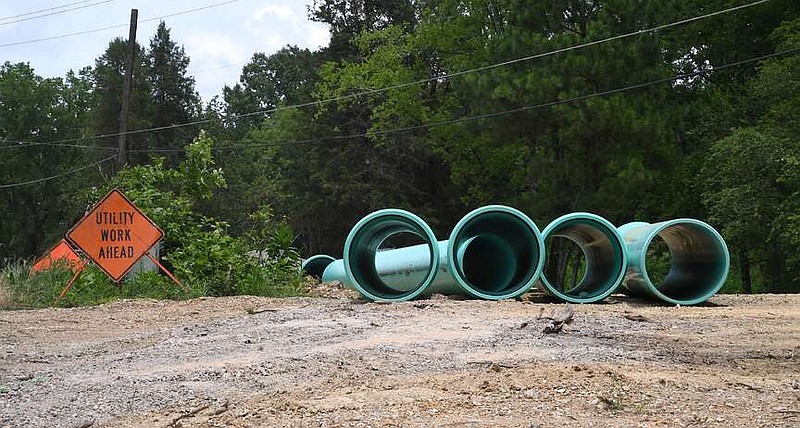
(29, 18)
(422, 81)
(218, 67)
(20, 144)
(110, 27)
(63, 174)
(494, 114)
(44, 10)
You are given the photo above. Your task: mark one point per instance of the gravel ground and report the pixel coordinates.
(340, 361)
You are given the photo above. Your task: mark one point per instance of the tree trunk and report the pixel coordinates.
(744, 269)
(576, 268)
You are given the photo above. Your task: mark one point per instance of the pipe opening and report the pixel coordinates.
(315, 265)
(587, 258)
(696, 262)
(361, 253)
(495, 252)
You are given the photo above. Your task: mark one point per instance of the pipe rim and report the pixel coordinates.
(315, 265)
(617, 242)
(464, 222)
(658, 228)
(405, 222)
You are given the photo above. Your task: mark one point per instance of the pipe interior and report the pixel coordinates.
(316, 265)
(364, 249)
(489, 263)
(603, 255)
(499, 253)
(697, 262)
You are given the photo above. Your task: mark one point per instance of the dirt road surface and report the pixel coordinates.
(340, 361)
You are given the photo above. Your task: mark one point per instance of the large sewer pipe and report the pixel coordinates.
(605, 259)
(698, 266)
(494, 252)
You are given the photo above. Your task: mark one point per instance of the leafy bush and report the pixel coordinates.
(212, 257)
(198, 249)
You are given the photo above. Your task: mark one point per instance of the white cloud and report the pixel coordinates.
(213, 49)
(280, 11)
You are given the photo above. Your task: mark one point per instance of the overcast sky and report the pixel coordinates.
(219, 40)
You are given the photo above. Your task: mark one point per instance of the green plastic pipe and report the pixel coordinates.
(410, 275)
(316, 265)
(494, 252)
(603, 252)
(699, 260)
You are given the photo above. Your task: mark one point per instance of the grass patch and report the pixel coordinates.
(6, 298)
(272, 281)
(22, 289)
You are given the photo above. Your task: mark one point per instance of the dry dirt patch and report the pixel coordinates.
(338, 361)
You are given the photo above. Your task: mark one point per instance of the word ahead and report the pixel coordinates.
(115, 234)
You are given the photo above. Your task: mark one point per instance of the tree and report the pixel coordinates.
(109, 78)
(36, 110)
(743, 195)
(286, 77)
(173, 97)
(751, 180)
(347, 19)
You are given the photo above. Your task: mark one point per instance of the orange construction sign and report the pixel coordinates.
(62, 253)
(115, 234)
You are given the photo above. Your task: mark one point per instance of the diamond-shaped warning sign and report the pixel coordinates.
(61, 254)
(115, 234)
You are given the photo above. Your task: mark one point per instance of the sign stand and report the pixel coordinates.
(80, 267)
(166, 271)
(115, 235)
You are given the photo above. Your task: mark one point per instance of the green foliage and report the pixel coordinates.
(173, 98)
(209, 256)
(36, 110)
(199, 249)
(750, 177)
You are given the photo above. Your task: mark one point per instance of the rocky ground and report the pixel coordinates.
(339, 361)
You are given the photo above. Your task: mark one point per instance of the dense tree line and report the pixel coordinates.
(685, 121)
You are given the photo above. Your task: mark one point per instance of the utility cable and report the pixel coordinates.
(18, 144)
(63, 174)
(60, 12)
(443, 123)
(97, 30)
(34, 12)
(422, 81)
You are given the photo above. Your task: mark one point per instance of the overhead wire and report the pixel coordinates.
(60, 12)
(111, 27)
(422, 81)
(19, 144)
(53, 177)
(34, 12)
